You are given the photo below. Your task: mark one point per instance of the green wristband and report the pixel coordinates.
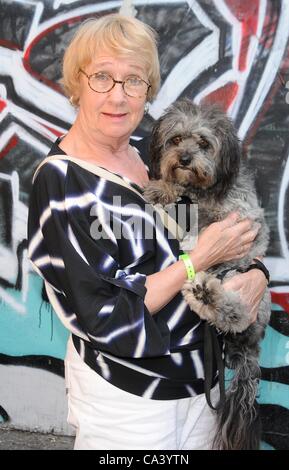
(189, 266)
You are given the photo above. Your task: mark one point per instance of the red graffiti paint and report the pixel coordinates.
(54, 131)
(9, 44)
(11, 144)
(269, 29)
(223, 96)
(246, 12)
(45, 34)
(282, 299)
(3, 105)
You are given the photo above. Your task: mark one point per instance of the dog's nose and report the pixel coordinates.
(185, 160)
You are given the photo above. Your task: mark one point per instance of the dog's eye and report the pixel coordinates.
(203, 143)
(176, 140)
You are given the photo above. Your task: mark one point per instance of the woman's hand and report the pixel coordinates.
(223, 241)
(251, 287)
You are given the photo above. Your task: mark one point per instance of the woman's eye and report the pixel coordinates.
(133, 81)
(203, 143)
(101, 77)
(177, 140)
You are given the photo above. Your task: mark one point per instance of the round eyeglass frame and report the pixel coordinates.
(113, 85)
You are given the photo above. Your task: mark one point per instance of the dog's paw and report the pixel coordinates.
(206, 288)
(233, 316)
(160, 192)
(202, 295)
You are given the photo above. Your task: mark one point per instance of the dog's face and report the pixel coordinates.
(195, 146)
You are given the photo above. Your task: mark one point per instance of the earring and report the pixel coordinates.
(71, 100)
(146, 108)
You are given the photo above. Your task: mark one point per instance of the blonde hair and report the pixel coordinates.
(125, 36)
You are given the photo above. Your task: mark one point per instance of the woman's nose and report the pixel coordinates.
(117, 92)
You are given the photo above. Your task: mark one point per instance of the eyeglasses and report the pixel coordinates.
(133, 85)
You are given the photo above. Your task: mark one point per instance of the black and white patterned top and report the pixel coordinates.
(96, 285)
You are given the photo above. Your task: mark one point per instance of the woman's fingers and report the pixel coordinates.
(244, 236)
(237, 229)
(244, 250)
(226, 240)
(250, 235)
(230, 220)
(243, 227)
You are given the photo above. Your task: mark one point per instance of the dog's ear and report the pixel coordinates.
(230, 151)
(155, 150)
(230, 155)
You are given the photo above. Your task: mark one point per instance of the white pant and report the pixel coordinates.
(108, 418)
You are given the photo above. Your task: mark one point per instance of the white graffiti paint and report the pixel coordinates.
(59, 3)
(272, 66)
(127, 8)
(10, 300)
(252, 51)
(9, 265)
(204, 55)
(31, 120)
(280, 289)
(55, 105)
(278, 267)
(39, 404)
(283, 200)
(234, 74)
(31, 89)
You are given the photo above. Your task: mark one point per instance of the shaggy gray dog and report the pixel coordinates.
(195, 152)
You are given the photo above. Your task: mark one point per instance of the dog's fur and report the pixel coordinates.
(195, 152)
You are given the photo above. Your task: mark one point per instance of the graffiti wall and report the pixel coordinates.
(228, 51)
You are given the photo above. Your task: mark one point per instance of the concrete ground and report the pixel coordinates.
(24, 440)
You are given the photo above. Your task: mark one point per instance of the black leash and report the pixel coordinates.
(212, 350)
(212, 347)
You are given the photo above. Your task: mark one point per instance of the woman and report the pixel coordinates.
(134, 365)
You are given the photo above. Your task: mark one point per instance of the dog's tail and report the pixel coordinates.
(238, 421)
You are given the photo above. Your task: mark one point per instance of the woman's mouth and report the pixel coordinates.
(115, 115)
